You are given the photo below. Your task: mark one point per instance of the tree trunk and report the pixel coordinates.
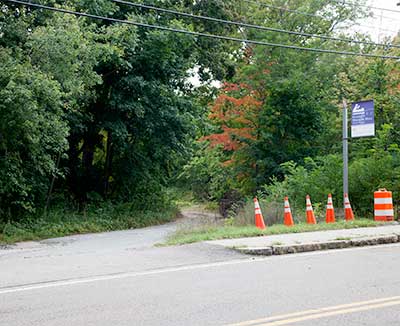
(88, 182)
(73, 168)
(108, 165)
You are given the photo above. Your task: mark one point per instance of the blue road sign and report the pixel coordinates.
(362, 119)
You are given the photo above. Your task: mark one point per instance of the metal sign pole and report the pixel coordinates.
(345, 152)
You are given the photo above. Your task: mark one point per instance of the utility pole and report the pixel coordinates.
(345, 151)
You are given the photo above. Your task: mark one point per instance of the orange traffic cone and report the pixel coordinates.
(348, 212)
(330, 212)
(258, 218)
(287, 218)
(310, 217)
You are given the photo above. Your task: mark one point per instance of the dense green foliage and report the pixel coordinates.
(95, 113)
(32, 132)
(287, 141)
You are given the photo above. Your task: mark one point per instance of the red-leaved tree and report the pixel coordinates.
(235, 114)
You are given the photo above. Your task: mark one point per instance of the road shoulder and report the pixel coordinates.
(312, 241)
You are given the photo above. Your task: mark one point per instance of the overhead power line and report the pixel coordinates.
(266, 5)
(252, 26)
(366, 6)
(182, 31)
(309, 14)
(379, 16)
(377, 27)
(303, 13)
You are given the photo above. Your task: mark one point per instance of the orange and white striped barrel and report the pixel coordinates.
(383, 205)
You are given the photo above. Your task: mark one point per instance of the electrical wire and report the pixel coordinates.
(266, 5)
(243, 24)
(365, 6)
(298, 12)
(182, 31)
(337, 1)
(378, 16)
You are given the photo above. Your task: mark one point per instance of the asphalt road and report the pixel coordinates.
(120, 278)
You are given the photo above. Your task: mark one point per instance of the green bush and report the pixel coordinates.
(318, 177)
(321, 176)
(367, 175)
(205, 174)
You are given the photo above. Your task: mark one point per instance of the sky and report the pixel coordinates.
(384, 23)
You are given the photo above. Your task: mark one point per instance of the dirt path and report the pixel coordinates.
(197, 216)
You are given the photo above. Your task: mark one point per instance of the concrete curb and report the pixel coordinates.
(316, 246)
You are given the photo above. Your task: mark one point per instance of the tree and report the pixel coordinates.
(236, 115)
(295, 91)
(32, 134)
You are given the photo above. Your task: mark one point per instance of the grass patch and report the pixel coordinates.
(210, 206)
(205, 233)
(61, 222)
(343, 238)
(184, 199)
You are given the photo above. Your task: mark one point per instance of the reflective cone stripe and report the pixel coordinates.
(348, 212)
(383, 205)
(257, 207)
(310, 217)
(287, 218)
(330, 203)
(330, 212)
(258, 218)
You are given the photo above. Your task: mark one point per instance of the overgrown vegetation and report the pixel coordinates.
(276, 127)
(323, 175)
(96, 114)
